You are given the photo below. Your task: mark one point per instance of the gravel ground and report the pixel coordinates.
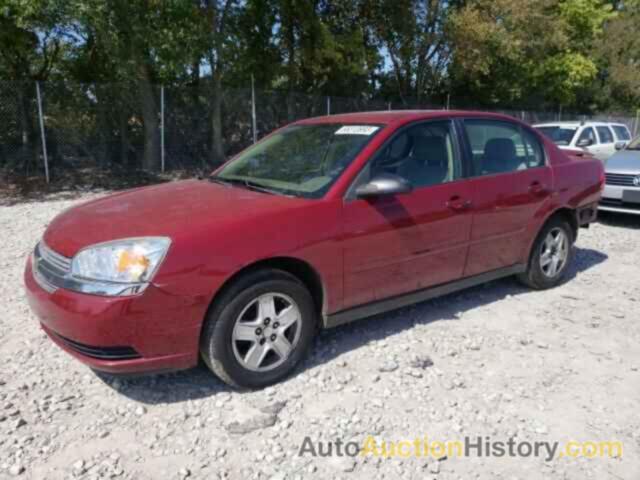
(497, 361)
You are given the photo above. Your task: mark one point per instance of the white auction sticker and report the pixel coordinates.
(356, 130)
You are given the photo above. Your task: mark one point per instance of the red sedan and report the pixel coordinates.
(323, 222)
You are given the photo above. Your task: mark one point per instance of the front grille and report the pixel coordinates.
(50, 268)
(55, 259)
(620, 179)
(100, 353)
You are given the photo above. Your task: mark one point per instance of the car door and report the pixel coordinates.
(606, 146)
(511, 182)
(588, 134)
(399, 244)
(622, 134)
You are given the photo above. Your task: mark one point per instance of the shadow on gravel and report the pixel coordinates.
(329, 344)
(584, 259)
(175, 387)
(611, 219)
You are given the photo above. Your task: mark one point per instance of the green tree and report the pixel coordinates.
(144, 42)
(527, 51)
(32, 34)
(258, 55)
(412, 35)
(620, 57)
(324, 48)
(32, 40)
(219, 43)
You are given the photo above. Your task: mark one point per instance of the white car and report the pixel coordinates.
(601, 139)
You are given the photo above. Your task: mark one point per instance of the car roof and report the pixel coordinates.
(579, 124)
(387, 117)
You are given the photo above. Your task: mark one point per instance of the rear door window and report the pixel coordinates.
(605, 134)
(621, 132)
(535, 153)
(502, 147)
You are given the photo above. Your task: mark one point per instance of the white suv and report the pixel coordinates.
(601, 139)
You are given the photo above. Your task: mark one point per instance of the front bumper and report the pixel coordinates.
(151, 332)
(612, 200)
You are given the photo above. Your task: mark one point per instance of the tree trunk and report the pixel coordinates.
(151, 122)
(290, 42)
(30, 140)
(217, 146)
(198, 107)
(102, 93)
(124, 138)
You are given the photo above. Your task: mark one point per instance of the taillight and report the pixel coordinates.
(603, 179)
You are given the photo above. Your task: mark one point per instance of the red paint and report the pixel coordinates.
(504, 205)
(398, 244)
(362, 250)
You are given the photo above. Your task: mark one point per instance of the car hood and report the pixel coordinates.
(625, 161)
(170, 209)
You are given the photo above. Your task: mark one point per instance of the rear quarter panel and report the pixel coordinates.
(577, 181)
(578, 178)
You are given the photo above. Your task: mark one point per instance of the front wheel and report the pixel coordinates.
(259, 330)
(551, 255)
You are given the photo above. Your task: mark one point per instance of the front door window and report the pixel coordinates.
(425, 154)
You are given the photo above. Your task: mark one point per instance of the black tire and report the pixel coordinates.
(217, 345)
(534, 277)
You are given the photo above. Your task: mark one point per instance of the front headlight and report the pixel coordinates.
(127, 261)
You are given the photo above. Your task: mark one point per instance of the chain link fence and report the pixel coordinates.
(77, 130)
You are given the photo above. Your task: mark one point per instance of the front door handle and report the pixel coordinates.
(457, 204)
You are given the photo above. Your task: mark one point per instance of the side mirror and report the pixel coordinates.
(383, 185)
(584, 142)
(620, 145)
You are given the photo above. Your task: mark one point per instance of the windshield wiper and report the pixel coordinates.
(248, 184)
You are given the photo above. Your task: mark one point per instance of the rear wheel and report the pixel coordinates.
(551, 255)
(259, 330)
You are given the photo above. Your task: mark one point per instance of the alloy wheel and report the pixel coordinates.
(554, 252)
(266, 332)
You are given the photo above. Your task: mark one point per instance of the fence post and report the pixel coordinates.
(448, 101)
(162, 128)
(42, 134)
(253, 111)
(389, 106)
(328, 105)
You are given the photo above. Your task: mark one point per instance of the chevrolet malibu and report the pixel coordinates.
(323, 222)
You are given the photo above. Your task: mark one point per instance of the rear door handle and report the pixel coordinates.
(457, 204)
(537, 188)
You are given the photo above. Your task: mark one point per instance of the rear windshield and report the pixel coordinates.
(559, 135)
(621, 132)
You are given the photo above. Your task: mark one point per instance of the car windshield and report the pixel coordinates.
(634, 145)
(301, 160)
(559, 135)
